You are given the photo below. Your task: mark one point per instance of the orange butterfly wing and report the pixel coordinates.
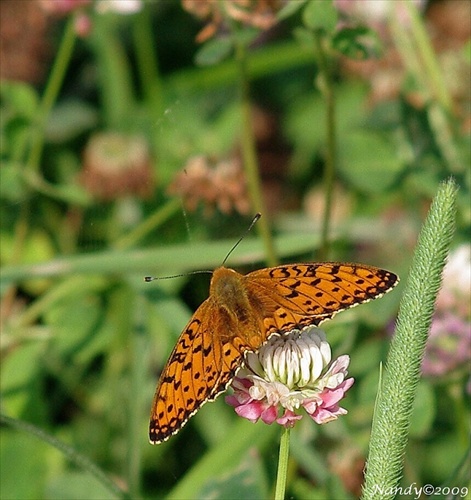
(240, 315)
(201, 366)
(298, 295)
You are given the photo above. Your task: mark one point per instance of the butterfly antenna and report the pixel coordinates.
(152, 278)
(254, 220)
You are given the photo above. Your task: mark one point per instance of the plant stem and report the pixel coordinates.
(402, 372)
(117, 97)
(36, 145)
(418, 56)
(148, 225)
(140, 348)
(51, 92)
(147, 64)
(325, 85)
(282, 465)
(250, 158)
(430, 65)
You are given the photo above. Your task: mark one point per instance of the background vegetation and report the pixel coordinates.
(127, 143)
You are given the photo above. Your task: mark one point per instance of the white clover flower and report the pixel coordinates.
(119, 6)
(289, 372)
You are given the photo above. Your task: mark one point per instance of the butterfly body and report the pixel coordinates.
(229, 298)
(241, 313)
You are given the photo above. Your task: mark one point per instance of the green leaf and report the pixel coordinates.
(309, 457)
(240, 438)
(214, 51)
(247, 480)
(12, 187)
(289, 9)
(174, 258)
(467, 52)
(70, 119)
(74, 322)
(19, 98)
(320, 15)
(304, 36)
(73, 485)
(366, 358)
(246, 35)
(24, 466)
(423, 412)
(21, 365)
(73, 194)
(357, 43)
(369, 161)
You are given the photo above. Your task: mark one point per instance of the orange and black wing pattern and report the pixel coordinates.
(200, 367)
(298, 295)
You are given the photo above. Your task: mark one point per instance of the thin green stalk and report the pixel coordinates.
(442, 127)
(21, 231)
(147, 64)
(250, 158)
(62, 193)
(419, 58)
(37, 142)
(432, 69)
(402, 372)
(205, 255)
(71, 453)
(282, 473)
(117, 95)
(37, 128)
(51, 92)
(66, 288)
(148, 225)
(327, 89)
(135, 402)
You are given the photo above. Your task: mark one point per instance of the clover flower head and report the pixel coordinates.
(117, 165)
(258, 13)
(288, 373)
(213, 183)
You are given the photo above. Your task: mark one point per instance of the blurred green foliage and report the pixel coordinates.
(84, 338)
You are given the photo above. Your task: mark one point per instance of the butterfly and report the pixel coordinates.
(241, 313)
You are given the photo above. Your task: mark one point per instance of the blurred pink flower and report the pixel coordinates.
(258, 13)
(455, 293)
(215, 183)
(289, 372)
(449, 342)
(116, 165)
(374, 12)
(83, 21)
(63, 7)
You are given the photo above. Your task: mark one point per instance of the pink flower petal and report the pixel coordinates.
(324, 415)
(288, 419)
(269, 414)
(262, 396)
(251, 411)
(311, 404)
(340, 364)
(331, 397)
